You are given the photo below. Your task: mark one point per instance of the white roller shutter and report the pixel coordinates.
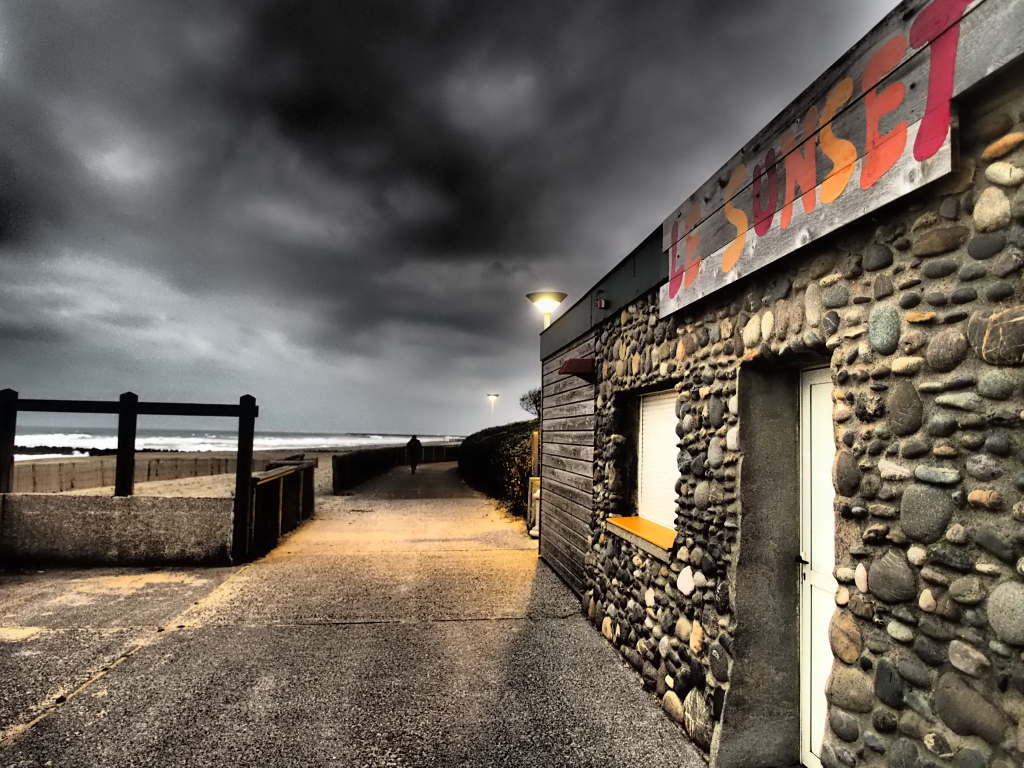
(656, 494)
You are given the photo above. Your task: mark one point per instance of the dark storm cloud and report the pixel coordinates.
(348, 199)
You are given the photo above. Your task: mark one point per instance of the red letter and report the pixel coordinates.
(941, 18)
(763, 216)
(685, 275)
(882, 151)
(801, 167)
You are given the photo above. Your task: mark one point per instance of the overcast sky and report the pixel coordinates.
(338, 206)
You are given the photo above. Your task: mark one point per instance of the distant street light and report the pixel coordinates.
(493, 398)
(546, 302)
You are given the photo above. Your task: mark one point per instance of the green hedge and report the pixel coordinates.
(496, 461)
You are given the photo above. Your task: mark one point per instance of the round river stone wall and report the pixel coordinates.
(921, 313)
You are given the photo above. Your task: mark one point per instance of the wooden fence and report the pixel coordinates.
(350, 469)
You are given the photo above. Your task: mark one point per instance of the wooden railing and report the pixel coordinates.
(280, 499)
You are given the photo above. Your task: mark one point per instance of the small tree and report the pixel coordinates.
(531, 401)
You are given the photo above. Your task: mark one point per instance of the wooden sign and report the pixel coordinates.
(876, 126)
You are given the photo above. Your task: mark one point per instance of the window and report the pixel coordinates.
(657, 457)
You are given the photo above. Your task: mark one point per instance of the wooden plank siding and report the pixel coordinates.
(564, 384)
(570, 397)
(579, 408)
(570, 508)
(567, 465)
(570, 451)
(572, 438)
(583, 484)
(565, 566)
(571, 531)
(570, 463)
(576, 528)
(575, 495)
(570, 424)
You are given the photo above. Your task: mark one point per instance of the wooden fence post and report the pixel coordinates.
(8, 428)
(534, 453)
(127, 422)
(243, 475)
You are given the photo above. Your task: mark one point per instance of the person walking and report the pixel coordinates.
(414, 453)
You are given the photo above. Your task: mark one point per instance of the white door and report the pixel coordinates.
(658, 459)
(817, 547)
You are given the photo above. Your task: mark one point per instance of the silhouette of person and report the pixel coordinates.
(414, 453)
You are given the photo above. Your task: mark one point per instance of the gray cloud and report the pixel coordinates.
(339, 206)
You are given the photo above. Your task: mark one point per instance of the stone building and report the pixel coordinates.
(783, 463)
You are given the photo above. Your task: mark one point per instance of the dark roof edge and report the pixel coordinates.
(644, 269)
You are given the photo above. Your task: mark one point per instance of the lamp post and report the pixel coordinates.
(493, 398)
(546, 302)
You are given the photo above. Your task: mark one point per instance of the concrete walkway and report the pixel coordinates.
(408, 624)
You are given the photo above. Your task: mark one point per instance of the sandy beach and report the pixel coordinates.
(212, 486)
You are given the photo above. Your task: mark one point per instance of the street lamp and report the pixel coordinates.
(546, 302)
(493, 398)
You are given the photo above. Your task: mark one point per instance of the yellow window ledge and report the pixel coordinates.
(649, 531)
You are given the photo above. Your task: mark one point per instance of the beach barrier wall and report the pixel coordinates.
(98, 472)
(350, 469)
(56, 529)
(112, 530)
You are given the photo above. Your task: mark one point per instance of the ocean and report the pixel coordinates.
(75, 441)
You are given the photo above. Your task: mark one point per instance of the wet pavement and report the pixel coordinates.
(408, 624)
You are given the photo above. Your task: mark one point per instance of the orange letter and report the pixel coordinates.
(881, 152)
(737, 218)
(841, 152)
(801, 167)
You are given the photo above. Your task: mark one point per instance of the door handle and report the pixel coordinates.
(800, 560)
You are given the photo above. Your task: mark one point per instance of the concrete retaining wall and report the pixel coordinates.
(97, 530)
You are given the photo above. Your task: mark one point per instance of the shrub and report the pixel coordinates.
(496, 461)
